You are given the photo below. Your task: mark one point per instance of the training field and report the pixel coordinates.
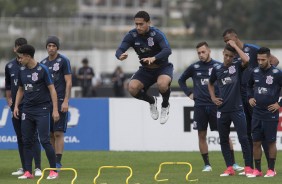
(144, 165)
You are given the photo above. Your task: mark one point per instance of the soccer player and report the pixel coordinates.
(60, 69)
(11, 87)
(35, 89)
(251, 50)
(204, 108)
(229, 104)
(153, 50)
(264, 89)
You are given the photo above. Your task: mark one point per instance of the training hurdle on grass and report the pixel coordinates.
(114, 167)
(174, 163)
(59, 169)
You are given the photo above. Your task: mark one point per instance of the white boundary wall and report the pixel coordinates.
(133, 129)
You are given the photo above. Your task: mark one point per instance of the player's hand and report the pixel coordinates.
(252, 102)
(232, 43)
(149, 60)
(123, 56)
(16, 113)
(217, 101)
(273, 107)
(10, 102)
(55, 116)
(65, 107)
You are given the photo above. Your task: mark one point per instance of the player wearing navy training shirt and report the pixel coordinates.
(60, 69)
(35, 88)
(11, 88)
(204, 108)
(153, 50)
(229, 102)
(251, 50)
(264, 89)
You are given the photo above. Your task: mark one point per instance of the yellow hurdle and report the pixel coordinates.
(174, 163)
(61, 169)
(114, 167)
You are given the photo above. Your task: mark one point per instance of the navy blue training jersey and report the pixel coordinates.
(251, 50)
(11, 78)
(35, 84)
(152, 44)
(265, 86)
(200, 73)
(58, 68)
(228, 82)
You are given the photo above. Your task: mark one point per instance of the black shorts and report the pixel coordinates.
(204, 116)
(263, 130)
(60, 125)
(148, 76)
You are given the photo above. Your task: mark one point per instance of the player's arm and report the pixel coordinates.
(124, 46)
(19, 98)
(213, 78)
(8, 87)
(276, 106)
(53, 93)
(165, 50)
(182, 81)
(65, 105)
(244, 57)
(250, 91)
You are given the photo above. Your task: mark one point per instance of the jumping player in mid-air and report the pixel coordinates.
(153, 51)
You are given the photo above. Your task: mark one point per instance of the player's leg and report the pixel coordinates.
(239, 120)
(28, 129)
(60, 128)
(138, 86)
(36, 150)
(17, 128)
(270, 131)
(164, 79)
(223, 126)
(201, 119)
(43, 127)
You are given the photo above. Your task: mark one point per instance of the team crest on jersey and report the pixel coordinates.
(232, 69)
(10, 65)
(34, 76)
(210, 71)
(150, 41)
(269, 79)
(56, 67)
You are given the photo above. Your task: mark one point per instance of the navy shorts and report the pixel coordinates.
(263, 130)
(204, 116)
(60, 125)
(148, 76)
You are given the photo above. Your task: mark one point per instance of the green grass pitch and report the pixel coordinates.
(144, 165)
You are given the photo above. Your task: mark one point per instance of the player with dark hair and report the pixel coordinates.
(60, 69)
(229, 105)
(204, 109)
(35, 89)
(11, 87)
(264, 89)
(153, 50)
(251, 50)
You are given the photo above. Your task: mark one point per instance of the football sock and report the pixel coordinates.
(165, 96)
(58, 158)
(258, 164)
